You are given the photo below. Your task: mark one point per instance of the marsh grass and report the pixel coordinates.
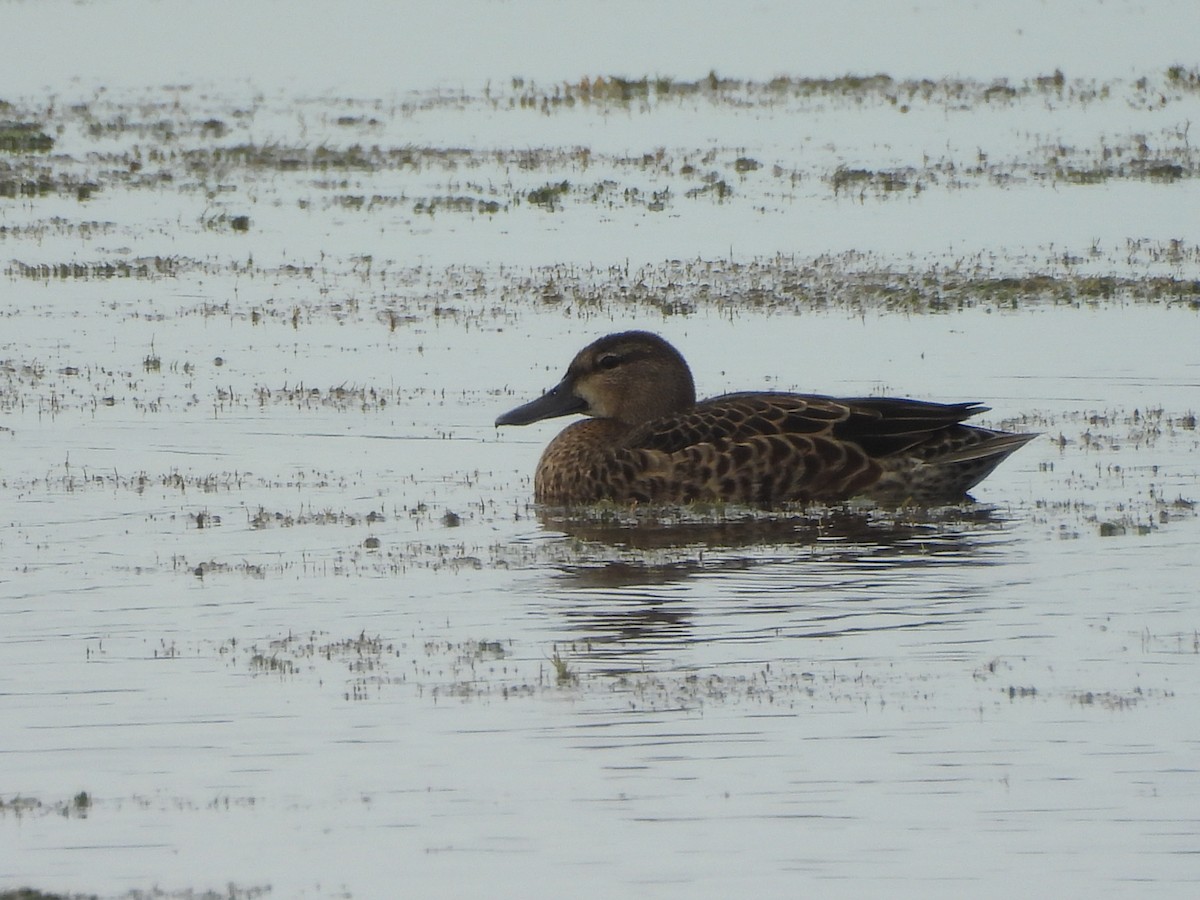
(24, 137)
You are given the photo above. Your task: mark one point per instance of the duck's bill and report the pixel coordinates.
(558, 401)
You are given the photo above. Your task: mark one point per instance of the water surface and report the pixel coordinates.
(277, 613)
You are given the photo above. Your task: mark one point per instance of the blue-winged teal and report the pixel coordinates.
(649, 440)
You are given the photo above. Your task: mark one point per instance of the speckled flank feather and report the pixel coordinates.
(650, 442)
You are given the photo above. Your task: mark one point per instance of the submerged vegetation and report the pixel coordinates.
(24, 137)
(362, 159)
(853, 282)
(875, 88)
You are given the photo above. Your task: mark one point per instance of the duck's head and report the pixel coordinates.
(631, 377)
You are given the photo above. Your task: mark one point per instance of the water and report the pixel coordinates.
(277, 614)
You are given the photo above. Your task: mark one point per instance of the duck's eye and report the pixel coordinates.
(608, 361)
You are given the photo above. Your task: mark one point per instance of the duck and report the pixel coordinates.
(646, 439)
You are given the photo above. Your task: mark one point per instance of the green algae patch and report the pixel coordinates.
(550, 195)
(24, 137)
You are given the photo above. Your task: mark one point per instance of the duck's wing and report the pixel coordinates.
(879, 426)
(770, 448)
(883, 426)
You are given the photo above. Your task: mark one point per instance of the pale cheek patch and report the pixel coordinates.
(595, 403)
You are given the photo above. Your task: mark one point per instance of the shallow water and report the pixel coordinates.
(820, 695)
(277, 614)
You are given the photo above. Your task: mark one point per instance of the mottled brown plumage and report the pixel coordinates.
(649, 440)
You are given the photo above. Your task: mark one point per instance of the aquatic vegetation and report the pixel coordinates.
(563, 674)
(24, 137)
(861, 179)
(550, 195)
(1182, 77)
(155, 267)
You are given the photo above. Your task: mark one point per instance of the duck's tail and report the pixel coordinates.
(949, 465)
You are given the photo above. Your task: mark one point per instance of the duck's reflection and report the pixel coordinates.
(649, 548)
(631, 584)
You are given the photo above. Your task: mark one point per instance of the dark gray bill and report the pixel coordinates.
(558, 401)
